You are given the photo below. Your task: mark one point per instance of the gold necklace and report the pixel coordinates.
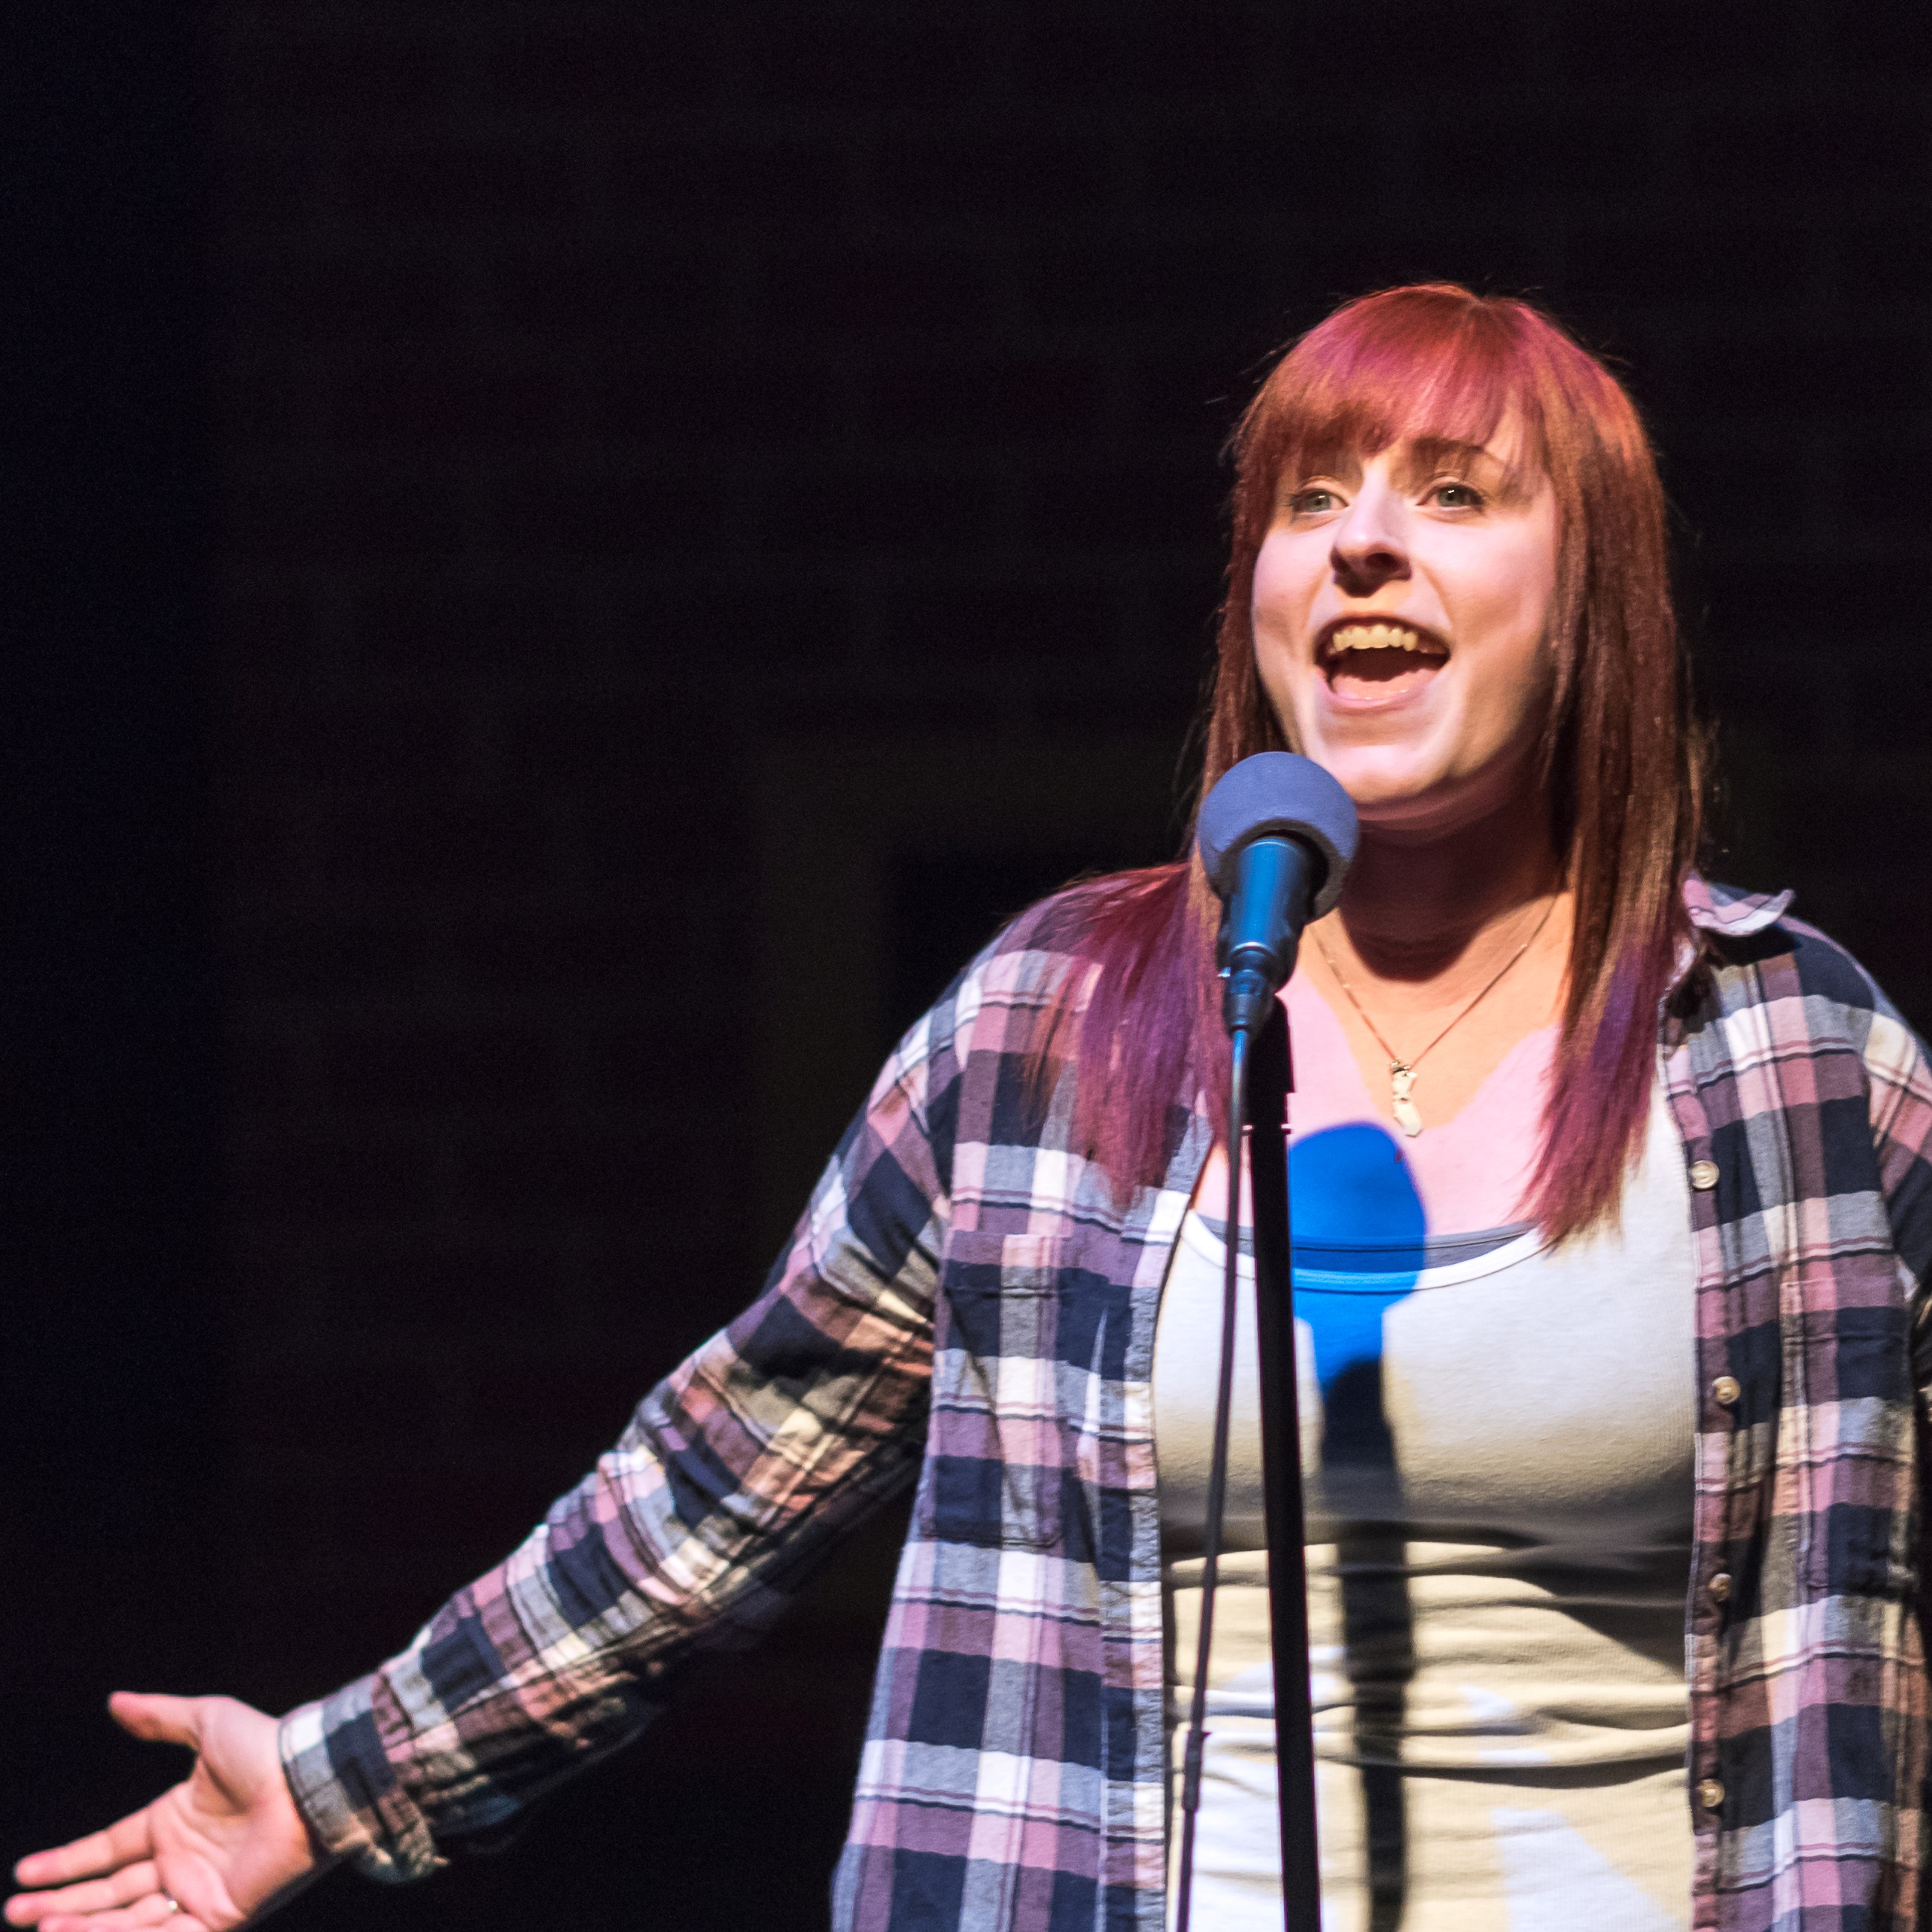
(1402, 1073)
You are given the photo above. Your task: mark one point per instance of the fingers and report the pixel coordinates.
(161, 1720)
(132, 1896)
(99, 1852)
(174, 1720)
(128, 1886)
(151, 1911)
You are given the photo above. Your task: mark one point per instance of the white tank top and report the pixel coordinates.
(1497, 1447)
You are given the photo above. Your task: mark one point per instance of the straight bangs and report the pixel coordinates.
(1438, 376)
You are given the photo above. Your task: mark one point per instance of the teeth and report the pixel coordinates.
(1379, 637)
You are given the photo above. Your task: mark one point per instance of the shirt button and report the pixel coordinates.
(1719, 1586)
(1703, 1175)
(1725, 1391)
(1710, 1794)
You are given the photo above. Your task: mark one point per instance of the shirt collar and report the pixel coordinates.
(1725, 911)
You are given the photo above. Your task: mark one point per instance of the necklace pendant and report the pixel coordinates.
(1408, 1115)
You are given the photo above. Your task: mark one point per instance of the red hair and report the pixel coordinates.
(1621, 755)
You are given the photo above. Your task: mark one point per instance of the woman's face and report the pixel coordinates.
(1402, 606)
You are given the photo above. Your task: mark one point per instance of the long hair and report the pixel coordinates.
(1620, 756)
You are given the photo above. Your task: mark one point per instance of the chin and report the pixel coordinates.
(1423, 798)
(1384, 777)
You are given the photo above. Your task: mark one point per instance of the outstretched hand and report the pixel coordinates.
(222, 1849)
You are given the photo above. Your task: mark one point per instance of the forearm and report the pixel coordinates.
(443, 1746)
(737, 1475)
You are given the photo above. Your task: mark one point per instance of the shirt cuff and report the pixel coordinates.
(346, 1788)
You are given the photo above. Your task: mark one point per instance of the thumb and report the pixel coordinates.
(161, 1720)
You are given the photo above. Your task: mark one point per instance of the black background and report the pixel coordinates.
(450, 454)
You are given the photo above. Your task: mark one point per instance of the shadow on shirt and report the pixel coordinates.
(1356, 1212)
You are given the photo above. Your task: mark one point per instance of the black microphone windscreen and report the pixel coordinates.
(1277, 792)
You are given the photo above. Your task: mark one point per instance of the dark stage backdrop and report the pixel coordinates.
(671, 461)
(113, 1449)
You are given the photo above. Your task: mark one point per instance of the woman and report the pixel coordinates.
(1613, 1205)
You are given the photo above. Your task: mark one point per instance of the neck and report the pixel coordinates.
(1414, 904)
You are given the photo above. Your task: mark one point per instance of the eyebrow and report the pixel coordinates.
(1423, 456)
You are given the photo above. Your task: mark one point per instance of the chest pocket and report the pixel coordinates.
(998, 1457)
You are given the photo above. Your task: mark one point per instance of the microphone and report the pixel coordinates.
(1276, 835)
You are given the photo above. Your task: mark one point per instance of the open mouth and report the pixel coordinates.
(1377, 661)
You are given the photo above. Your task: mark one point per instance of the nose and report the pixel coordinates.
(1368, 550)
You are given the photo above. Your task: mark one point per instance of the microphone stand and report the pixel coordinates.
(1261, 1079)
(1271, 1079)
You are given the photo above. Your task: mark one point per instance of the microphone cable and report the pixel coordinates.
(1217, 1476)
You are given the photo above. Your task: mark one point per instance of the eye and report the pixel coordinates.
(1317, 500)
(1453, 494)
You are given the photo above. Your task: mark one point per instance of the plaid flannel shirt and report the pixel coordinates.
(965, 1306)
